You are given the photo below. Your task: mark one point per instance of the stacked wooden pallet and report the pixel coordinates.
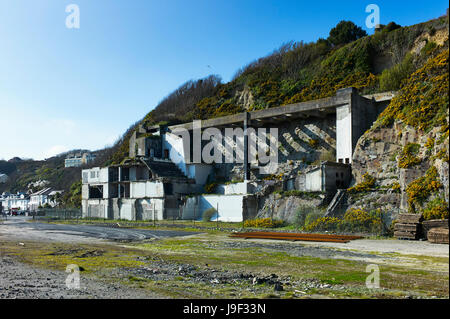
(436, 230)
(427, 225)
(408, 226)
(438, 235)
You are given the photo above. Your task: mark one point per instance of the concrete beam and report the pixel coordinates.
(319, 108)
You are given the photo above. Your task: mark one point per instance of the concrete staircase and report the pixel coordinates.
(338, 204)
(165, 169)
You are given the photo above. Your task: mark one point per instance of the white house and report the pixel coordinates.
(19, 200)
(77, 160)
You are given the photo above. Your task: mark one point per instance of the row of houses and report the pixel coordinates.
(29, 202)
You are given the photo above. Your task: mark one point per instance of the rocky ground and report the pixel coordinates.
(213, 265)
(21, 281)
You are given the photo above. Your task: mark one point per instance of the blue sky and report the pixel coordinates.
(62, 89)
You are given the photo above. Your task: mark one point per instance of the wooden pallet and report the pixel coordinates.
(427, 225)
(438, 235)
(408, 226)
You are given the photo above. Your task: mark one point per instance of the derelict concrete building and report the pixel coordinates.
(164, 178)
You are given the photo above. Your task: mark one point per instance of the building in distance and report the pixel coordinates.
(79, 159)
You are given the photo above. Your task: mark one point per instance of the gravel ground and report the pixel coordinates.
(20, 281)
(299, 250)
(20, 228)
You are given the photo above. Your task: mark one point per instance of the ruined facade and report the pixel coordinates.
(165, 176)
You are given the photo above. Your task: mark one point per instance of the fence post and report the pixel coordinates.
(217, 212)
(154, 222)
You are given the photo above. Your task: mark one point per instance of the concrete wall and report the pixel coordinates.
(124, 208)
(344, 133)
(230, 207)
(174, 144)
(146, 189)
(95, 175)
(234, 189)
(199, 172)
(313, 181)
(352, 121)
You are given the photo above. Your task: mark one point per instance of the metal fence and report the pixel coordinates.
(52, 213)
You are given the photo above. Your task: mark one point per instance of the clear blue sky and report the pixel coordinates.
(63, 88)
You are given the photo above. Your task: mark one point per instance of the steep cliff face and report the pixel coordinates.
(406, 150)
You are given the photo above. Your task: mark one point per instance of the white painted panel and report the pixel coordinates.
(343, 133)
(125, 212)
(313, 181)
(175, 145)
(230, 206)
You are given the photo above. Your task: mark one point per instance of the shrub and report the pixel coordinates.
(263, 223)
(305, 215)
(324, 224)
(423, 101)
(395, 187)
(360, 220)
(436, 209)
(367, 184)
(420, 189)
(429, 145)
(408, 156)
(312, 217)
(208, 214)
(355, 220)
(391, 79)
(345, 32)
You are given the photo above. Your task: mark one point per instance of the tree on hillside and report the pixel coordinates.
(345, 32)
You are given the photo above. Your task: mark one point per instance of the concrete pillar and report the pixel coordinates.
(246, 164)
(119, 180)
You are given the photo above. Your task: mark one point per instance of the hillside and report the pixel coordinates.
(299, 71)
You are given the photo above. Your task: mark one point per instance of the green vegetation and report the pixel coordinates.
(210, 254)
(72, 198)
(263, 223)
(391, 79)
(305, 215)
(422, 188)
(408, 156)
(423, 101)
(436, 209)
(345, 32)
(208, 214)
(367, 184)
(299, 71)
(355, 220)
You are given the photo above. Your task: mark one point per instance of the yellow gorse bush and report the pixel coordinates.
(263, 223)
(367, 184)
(437, 209)
(324, 223)
(420, 189)
(423, 100)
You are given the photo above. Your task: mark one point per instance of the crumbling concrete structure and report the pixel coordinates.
(165, 176)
